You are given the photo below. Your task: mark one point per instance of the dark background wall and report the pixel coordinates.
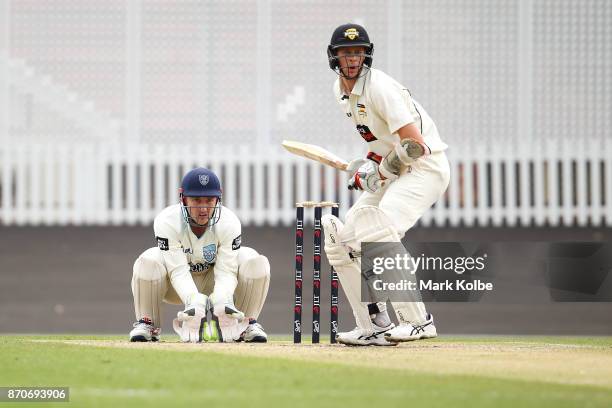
(77, 279)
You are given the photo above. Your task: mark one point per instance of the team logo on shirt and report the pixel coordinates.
(199, 267)
(366, 133)
(162, 243)
(203, 179)
(209, 252)
(361, 110)
(237, 242)
(351, 33)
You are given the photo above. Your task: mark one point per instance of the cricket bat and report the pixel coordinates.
(316, 153)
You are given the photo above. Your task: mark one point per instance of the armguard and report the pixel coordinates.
(403, 154)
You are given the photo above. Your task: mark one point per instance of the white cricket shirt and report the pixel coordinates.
(379, 106)
(217, 247)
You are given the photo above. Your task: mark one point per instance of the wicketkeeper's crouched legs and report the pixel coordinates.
(149, 285)
(253, 282)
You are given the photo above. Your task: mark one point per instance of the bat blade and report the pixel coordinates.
(316, 153)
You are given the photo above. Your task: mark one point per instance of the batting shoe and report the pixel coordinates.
(254, 333)
(411, 332)
(363, 337)
(144, 331)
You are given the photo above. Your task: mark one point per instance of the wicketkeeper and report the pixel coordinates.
(200, 262)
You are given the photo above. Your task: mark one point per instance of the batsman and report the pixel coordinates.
(199, 261)
(404, 173)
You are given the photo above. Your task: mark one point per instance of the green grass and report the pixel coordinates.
(118, 377)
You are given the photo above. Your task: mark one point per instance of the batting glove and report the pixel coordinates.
(367, 176)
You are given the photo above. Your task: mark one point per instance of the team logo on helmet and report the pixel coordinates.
(204, 179)
(351, 33)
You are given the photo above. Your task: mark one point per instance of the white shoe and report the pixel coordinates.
(144, 331)
(362, 337)
(254, 333)
(410, 332)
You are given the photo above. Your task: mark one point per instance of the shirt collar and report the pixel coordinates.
(360, 84)
(357, 89)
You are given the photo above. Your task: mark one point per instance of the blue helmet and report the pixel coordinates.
(201, 182)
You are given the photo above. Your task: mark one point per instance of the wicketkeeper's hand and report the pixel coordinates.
(225, 310)
(231, 321)
(190, 323)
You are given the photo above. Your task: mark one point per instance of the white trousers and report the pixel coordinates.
(151, 284)
(406, 199)
(403, 201)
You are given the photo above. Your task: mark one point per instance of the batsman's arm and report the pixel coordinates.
(410, 147)
(412, 132)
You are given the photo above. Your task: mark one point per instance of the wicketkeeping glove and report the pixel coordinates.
(191, 324)
(225, 310)
(231, 321)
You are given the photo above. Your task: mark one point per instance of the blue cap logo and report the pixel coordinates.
(204, 179)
